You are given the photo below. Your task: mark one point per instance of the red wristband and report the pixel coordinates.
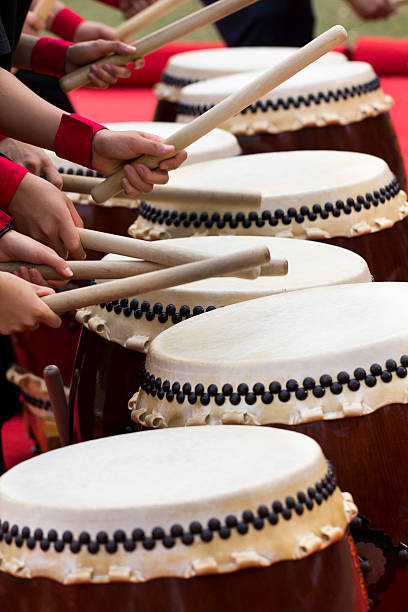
(2, 137)
(48, 56)
(5, 222)
(11, 176)
(65, 24)
(73, 140)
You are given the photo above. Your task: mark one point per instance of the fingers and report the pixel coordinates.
(107, 74)
(48, 317)
(149, 136)
(37, 278)
(173, 162)
(74, 214)
(41, 291)
(141, 180)
(50, 173)
(145, 145)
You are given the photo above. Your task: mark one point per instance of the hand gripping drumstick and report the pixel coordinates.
(43, 8)
(154, 281)
(130, 247)
(150, 14)
(55, 388)
(197, 197)
(232, 105)
(152, 42)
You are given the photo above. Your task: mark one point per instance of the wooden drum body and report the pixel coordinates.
(336, 107)
(330, 363)
(348, 199)
(116, 336)
(186, 68)
(218, 534)
(265, 590)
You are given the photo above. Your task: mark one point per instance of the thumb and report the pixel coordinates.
(41, 291)
(142, 145)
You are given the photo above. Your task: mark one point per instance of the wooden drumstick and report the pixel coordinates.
(43, 8)
(232, 105)
(88, 269)
(196, 197)
(152, 42)
(130, 247)
(149, 15)
(56, 392)
(154, 281)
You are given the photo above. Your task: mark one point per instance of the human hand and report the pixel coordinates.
(93, 30)
(21, 307)
(33, 24)
(373, 9)
(33, 158)
(131, 7)
(110, 149)
(83, 53)
(42, 211)
(17, 247)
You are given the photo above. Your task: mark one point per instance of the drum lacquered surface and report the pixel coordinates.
(103, 380)
(325, 582)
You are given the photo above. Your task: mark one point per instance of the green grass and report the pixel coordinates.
(328, 13)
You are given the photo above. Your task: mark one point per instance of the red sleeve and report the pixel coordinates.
(11, 175)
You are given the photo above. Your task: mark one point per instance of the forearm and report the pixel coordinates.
(22, 54)
(24, 115)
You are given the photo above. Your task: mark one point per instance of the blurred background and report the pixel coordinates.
(328, 13)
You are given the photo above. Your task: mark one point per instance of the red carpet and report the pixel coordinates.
(17, 446)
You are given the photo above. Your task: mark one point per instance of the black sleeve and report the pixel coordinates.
(4, 41)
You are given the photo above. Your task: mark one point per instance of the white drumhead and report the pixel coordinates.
(209, 63)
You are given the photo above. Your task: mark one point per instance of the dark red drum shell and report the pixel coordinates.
(113, 220)
(386, 251)
(34, 350)
(324, 582)
(375, 135)
(165, 111)
(369, 454)
(105, 377)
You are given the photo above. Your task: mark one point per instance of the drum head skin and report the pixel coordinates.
(185, 68)
(325, 353)
(304, 194)
(317, 96)
(136, 320)
(147, 505)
